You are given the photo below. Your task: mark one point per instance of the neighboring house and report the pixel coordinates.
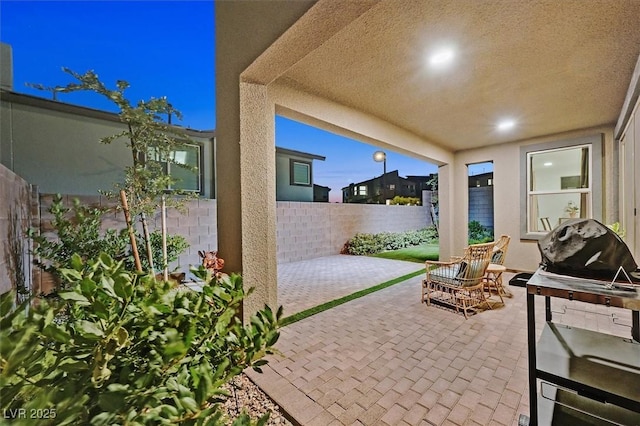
(425, 183)
(371, 191)
(481, 180)
(294, 175)
(56, 146)
(321, 193)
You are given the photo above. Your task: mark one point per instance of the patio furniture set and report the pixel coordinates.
(462, 282)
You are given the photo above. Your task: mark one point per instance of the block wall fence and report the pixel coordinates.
(304, 230)
(481, 205)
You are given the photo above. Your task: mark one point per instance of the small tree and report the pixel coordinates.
(151, 141)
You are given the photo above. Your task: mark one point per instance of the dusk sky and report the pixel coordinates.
(162, 48)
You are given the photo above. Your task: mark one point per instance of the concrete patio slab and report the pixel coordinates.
(387, 359)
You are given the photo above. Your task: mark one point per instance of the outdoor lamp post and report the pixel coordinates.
(381, 156)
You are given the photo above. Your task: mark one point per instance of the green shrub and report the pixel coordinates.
(412, 201)
(176, 245)
(78, 230)
(479, 234)
(120, 348)
(364, 244)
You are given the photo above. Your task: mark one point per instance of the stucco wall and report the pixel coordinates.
(522, 254)
(308, 230)
(15, 219)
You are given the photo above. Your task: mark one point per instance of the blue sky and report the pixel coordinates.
(162, 48)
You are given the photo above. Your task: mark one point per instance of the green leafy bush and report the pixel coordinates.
(120, 348)
(77, 229)
(176, 245)
(479, 234)
(412, 201)
(364, 244)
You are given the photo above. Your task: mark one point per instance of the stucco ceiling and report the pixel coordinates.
(552, 66)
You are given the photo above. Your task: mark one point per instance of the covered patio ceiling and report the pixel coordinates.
(549, 66)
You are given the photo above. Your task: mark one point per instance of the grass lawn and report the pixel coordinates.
(416, 254)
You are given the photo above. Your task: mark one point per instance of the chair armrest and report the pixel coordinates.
(437, 263)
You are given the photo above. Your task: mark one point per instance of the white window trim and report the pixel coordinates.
(595, 178)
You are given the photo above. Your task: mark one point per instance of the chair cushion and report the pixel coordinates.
(447, 274)
(497, 257)
(475, 272)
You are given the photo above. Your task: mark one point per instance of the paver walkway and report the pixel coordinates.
(309, 283)
(387, 359)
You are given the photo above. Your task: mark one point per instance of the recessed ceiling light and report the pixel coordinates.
(548, 163)
(441, 57)
(505, 125)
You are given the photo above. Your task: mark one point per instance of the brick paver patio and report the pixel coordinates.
(387, 359)
(308, 283)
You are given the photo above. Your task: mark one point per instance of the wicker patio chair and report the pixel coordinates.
(459, 283)
(493, 277)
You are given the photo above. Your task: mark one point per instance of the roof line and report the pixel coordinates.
(35, 101)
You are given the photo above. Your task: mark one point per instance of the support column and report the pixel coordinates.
(257, 194)
(445, 205)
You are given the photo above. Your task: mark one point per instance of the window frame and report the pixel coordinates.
(292, 164)
(595, 178)
(166, 165)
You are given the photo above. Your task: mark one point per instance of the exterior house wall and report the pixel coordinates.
(284, 190)
(16, 216)
(523, 254)
(629, 179)
(56, 146)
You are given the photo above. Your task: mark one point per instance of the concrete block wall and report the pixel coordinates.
(196, 222)
(16, 216)
(304, 229)
(308, 230)
(481, 205)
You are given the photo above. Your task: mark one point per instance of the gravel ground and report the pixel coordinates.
(251, 398)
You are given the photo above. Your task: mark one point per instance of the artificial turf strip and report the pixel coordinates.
(328, 305)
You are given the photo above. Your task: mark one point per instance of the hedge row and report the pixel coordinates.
(363, 244)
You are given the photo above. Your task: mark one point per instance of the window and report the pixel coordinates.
(187, 178)
(361, 190)
(300, 172)
(184, 167)
(561, 182)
